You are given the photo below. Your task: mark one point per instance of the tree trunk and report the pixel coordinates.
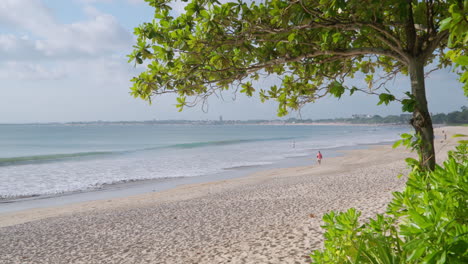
(421, 120)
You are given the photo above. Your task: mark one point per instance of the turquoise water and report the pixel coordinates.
(53, 159)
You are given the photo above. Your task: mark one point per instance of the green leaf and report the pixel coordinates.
(418, 220)
(406, 136)
(369, 80)
(336, 37)
(411, 161)
(445, 24)
(417, 252)
(336, 89)
(247, 88)
(386, 98)
(181, 103)
(442, 258)
(408, 105)
(291, 37)
(462, 60)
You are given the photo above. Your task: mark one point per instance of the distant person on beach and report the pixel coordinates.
(319, 158)
(445, 136)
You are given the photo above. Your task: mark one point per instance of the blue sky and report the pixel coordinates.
(65, 60)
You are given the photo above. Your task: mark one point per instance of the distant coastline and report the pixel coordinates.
(212, 122)
(452, 118)
(209, 122)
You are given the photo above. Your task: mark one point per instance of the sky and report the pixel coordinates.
(65, 60)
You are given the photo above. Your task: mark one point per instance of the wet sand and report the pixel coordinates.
(271, 216)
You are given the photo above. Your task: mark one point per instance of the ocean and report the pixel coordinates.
(41, 160)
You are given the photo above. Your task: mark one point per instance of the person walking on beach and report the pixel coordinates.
(319, 157)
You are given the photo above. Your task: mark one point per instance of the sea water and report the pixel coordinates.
(54, 159)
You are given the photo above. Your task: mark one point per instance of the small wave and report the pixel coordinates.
(23, 160)
(247, 165)
(11, 197)
(212, 143)
(224, 142)
(297, 155)
(46, 158)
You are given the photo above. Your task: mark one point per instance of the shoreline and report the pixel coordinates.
(86, 168)
(136, 187)
(269, 216)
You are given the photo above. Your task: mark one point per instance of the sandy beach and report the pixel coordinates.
(269, 217)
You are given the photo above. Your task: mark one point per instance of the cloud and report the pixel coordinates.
(101, 71)
(17, 48)
(136, 1)
(100, 34)
(42, 48)
(29, 71)
(94, 1)
(29, 15)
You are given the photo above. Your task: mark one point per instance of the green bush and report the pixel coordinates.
(426, 223)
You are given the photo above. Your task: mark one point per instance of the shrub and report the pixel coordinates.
(426, 223)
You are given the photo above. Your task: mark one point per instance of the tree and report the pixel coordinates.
(439, 118)
(458, 117)
(314, 46)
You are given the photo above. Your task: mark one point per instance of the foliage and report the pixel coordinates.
(312, 45)
(457, 24)
(375, 119)
(455, 117)
(410, 141)
(426, 223)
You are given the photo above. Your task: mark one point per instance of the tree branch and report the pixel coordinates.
(345, 52)
(433, 44)
(411, 35)
(382, 34)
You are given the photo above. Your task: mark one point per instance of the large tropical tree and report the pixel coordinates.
(314, 46)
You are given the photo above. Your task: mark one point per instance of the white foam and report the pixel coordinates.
(94, 172)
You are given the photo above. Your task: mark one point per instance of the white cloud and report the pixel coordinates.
(40, 48)
(98, 35)
(91, 11)
(101, 34)
(30, 15)
(101, 71)
(94, 1)
(12, 43)
(29, 71)
(136, 1)
(18, 48)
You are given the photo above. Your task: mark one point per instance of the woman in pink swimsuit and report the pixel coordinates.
(319, 158)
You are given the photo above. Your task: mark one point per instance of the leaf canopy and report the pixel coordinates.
(312, 45)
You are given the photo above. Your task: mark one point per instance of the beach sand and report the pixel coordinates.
(269, 217)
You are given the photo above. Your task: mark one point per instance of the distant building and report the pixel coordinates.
(361, 116)
(220, 118)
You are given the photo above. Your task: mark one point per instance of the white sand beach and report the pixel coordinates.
(269, 217)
